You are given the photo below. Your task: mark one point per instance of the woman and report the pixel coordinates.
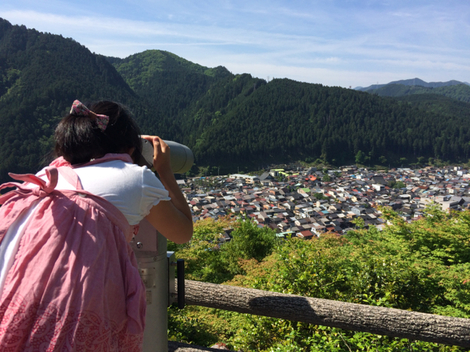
(68, 278)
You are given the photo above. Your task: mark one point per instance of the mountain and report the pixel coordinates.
(419, 82)
(413, 82)
(450, 98)
(286, 120)
(452, 89)
(167, 84)
(229, 121)
(40, 75)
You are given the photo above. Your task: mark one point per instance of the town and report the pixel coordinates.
(306, 202)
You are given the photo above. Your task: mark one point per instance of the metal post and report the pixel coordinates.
(150, 248)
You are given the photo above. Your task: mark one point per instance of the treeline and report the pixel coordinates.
(229, 121)
(286, 120)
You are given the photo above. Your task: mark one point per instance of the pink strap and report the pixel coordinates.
(44, 187)
(71, 177)
(58, 165)
(51, 173)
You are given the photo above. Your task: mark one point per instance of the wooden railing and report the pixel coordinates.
(350, 316)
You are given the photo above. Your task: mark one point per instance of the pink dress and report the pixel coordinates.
(74, 284)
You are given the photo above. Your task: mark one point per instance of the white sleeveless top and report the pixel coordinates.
(133, 189)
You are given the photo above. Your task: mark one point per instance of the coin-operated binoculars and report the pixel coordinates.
(156, 265)
(181, 156)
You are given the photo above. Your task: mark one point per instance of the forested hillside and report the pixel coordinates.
(230, 121)
(168, 85)
(438, 104)
(442, 98)
(292, 120)
(239, 120)
(40, 76)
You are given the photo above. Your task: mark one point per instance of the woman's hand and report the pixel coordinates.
(172, 219)
(161, 153)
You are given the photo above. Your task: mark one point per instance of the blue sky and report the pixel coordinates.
(335, 43)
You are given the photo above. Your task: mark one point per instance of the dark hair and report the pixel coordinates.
(78, 139)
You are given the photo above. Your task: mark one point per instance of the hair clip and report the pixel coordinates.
(81, 110)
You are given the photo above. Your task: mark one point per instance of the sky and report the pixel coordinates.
(346, 43)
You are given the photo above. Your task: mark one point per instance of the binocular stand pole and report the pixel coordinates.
(150, 248)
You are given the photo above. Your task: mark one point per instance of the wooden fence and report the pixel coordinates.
(350, 316)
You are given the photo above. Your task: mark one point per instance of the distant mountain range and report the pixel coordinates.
(451, 89)
(413, 82)
(231, 122)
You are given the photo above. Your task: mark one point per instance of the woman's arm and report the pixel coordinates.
(172, 219)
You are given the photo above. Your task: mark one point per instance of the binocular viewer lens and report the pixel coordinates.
(182, 158)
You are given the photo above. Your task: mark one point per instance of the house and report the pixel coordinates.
(356, 210)
(306, 234)
(378, 187)
(378, 179)
(305, 192)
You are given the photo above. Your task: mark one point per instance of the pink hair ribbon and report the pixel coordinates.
(81, 110)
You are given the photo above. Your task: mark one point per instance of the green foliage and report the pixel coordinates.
(360, 157)
(326, 178)
(190, 326)
(207, 259)
(382, 160)
(248, 242)
(421, 266)
(438, 236)
(202, 254)
(397, 184)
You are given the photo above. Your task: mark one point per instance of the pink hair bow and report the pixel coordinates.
(81, 110)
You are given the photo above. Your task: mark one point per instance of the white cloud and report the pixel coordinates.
(334, 43)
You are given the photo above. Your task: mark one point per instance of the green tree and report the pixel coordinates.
(399, 184)
(248, 242)
(360, 157)
(202, 254)
(208, 259)
(320, 196)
